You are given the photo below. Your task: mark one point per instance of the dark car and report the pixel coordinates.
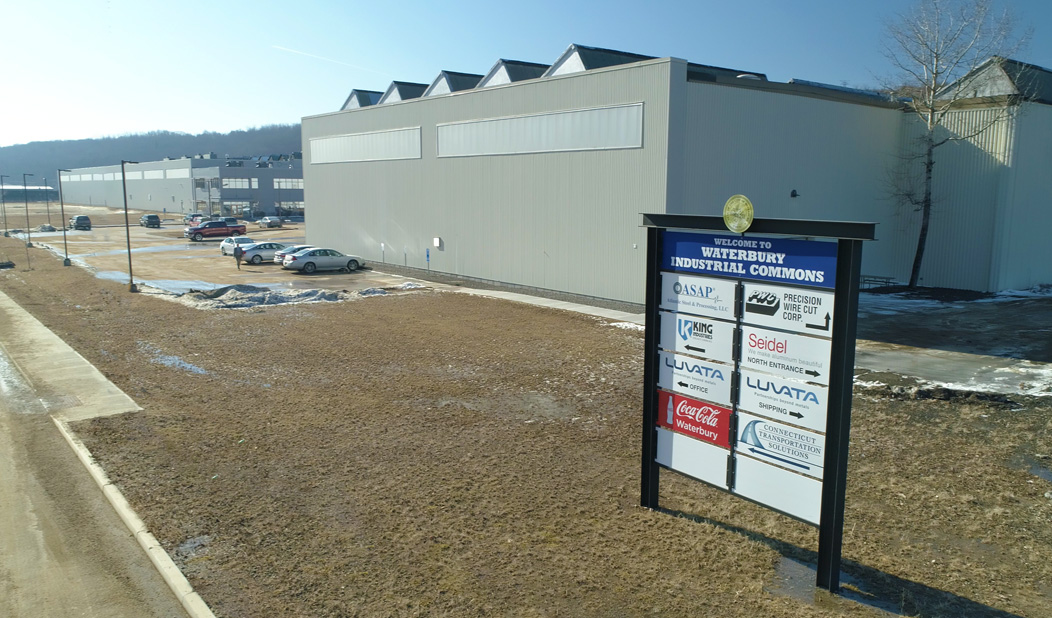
(80, 222)
(150, 221)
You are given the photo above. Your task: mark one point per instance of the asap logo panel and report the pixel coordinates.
(697, 336)
(699, 295)
(782, 354)
(789, 401)
(695, 377)
(799, 310)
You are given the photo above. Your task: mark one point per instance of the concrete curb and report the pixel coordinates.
(192, 602)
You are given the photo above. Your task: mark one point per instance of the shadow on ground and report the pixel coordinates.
(796, 573)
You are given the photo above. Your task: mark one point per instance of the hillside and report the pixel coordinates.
(42, 159)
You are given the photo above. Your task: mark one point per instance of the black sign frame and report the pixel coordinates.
(849, 237)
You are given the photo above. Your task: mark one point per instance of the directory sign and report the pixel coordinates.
(788, 356)
(749, 349)
(795, 309)
(698, 336)
(699, 295)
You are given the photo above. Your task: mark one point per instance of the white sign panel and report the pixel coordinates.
(695, 378)
(689, 334)
(790, 356)
(701, 295)
(789, 447)
(786, 400)
(794, 309)
(695, 458)
(788, 492)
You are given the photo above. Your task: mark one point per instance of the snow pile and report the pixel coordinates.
(246, 296)
(372, 292)
(628, 326)
(409, 285)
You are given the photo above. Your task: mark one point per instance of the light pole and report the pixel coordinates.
(47, 201)
(29, 235)
(62, 210)
(3, 204)
(127, 226)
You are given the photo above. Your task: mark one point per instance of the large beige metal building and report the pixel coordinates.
(540, 181)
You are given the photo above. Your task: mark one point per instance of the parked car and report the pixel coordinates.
(279, 256)
(310, 260)
(229, 220)
(262, 251)
(80, 222)
(269, 222)
(227, 246)
(150, 221)
(194, 215)
(212, 229)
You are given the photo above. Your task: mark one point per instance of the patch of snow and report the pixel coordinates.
(409, 285)
(169, 360)
(248, 296)
(628, 326)
(372, 292)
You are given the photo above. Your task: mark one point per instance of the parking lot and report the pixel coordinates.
(184, 264)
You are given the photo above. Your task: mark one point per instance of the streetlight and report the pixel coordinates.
(29, 234)
(127, 226)
(62, 206)
(3, 205)
(47, 200)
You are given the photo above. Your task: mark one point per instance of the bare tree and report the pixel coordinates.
(933, 47)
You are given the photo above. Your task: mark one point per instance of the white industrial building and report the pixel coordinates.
(538, 179)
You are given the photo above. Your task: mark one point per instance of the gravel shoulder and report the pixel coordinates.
(432, 453)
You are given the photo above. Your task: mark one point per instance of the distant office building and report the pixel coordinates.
(246, 187)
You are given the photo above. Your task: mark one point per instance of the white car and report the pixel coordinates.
(227, 246)
(310, 260)
(262, 251)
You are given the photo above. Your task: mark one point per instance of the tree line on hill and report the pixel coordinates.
(42, 159)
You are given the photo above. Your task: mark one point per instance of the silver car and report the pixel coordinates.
(262, 251)
(279, 256)
(310, 260)
(227, 246)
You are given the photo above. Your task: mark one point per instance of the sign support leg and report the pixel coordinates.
(648, 496)
(845, 321)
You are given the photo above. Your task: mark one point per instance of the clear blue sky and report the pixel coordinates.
(90, 68)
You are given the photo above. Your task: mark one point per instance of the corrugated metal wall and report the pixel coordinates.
(966, 185)
(566, 221)
(766, 144)
(1022, 248)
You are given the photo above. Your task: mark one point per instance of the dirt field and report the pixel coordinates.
(434, 454)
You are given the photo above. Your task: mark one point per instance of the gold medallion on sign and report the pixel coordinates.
(737, 213)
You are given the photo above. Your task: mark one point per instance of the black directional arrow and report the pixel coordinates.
(820, 326)
(796, 414)
(683, 384)
(693, 349)
(812, 373)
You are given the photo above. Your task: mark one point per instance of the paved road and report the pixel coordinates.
(63, 550)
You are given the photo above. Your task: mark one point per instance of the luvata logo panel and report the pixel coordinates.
(789, 356)
(704, 421)
(781, 445)
(695, 377)
(795, 309)
(785, 400)
(697, 336)
(698, 295)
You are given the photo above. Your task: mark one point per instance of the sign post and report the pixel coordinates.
(749, 362)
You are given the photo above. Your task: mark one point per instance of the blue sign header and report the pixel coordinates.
(779, 260)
